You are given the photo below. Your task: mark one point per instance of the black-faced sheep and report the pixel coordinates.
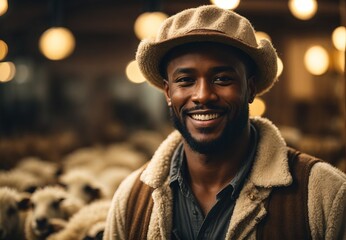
(52, 207)
(87, 224)
(13, 206)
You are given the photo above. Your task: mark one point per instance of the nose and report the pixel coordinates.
(41, 222)
(204, 93)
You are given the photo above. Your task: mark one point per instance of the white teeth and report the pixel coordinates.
(205, 117)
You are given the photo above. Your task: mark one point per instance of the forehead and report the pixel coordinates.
(211, 51)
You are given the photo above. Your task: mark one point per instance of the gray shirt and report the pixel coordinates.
(189, 221)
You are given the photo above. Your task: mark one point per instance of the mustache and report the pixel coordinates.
(185, 111)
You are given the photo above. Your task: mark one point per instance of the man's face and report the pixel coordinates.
(208, 94)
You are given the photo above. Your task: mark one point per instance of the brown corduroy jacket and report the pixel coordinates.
(326, 193)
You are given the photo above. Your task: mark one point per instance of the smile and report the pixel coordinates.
(205, 117)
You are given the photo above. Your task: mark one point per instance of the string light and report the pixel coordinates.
(316, 60)
(339, 38)
(57, 43)
(3, 7)
(148, 23)
(303, 9)
(133, 73)
(257, 107)
(3, 50)
(7, 71)
(226, 4)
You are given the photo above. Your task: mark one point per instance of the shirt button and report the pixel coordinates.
(194, 212)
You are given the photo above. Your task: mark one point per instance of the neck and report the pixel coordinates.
(215, 170)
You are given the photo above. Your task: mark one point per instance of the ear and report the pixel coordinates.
(252, 91)
(167, 93)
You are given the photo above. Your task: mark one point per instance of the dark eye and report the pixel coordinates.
(185, 81)
(223, 80)
(11, 211)
(56, 204)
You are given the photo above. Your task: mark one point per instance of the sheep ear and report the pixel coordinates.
(24, 203)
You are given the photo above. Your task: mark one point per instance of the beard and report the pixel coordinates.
(229, 135)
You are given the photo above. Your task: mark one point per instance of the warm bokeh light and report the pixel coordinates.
(133, 73)
(57, 43)
(280, 67)
(316, 60)
(226, 4)
(303, 9)
(257, 107)
(3, 7)
(339, 38)
(262, 35)
(148, 23)
(7, 71)
(3, 50)
(340, 61)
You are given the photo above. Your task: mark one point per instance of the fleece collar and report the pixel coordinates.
(270, 166)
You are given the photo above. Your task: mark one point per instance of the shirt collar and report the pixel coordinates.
(178, 168)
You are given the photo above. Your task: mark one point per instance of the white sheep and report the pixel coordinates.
(123, 155)
(82, 157)
(52, 206)
(12, 213)
(113, 176)
(48, 172)
(88, 223)
(84, 185)
(20, 180)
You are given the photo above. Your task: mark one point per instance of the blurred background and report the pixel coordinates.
(68, 80)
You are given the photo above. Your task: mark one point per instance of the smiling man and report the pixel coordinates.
(222, 175)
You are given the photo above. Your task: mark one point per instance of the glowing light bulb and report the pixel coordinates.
(339, 38)
(303, 9)
(7, 71)
(262, 35)
(280, 67)
(147, 24)
(3, 50)
(133, 73)
(226, 4)
(316, 60)
(3, 7)
(57, 43)
(257, 107)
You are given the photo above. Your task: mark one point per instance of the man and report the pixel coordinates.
(222, 175)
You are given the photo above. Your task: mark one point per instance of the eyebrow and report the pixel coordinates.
(212, 70)
(223, 69)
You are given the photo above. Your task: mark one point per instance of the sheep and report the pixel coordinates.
(81, 157)
(87, 224)
(113, 176)
(13, 206)
(84, 185)
(146, 141)
(44, 170)
(123, 155)
(52, 206)
(20, 180)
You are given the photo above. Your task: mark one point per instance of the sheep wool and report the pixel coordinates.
(86, 224)
(52, 207)
(12, 213)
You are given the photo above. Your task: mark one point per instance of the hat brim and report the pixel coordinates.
(149, 56)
